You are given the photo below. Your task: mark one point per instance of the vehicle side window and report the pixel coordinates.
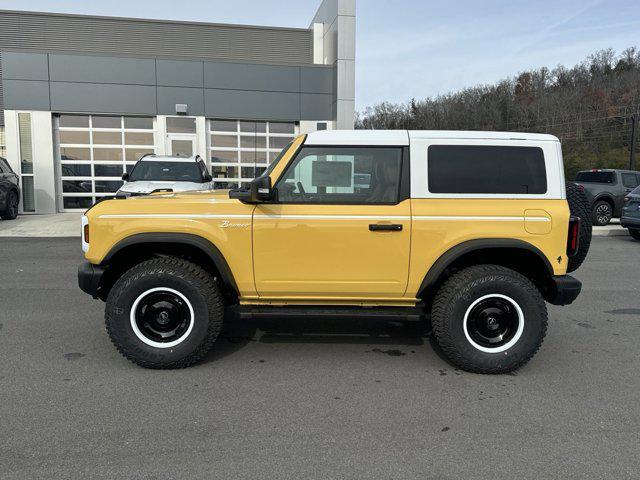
(629, 180)
(486, 169)
(3, 169)
(342, 175)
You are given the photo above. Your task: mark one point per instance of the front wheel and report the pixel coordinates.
(164, 313)
(635, 233)
(602, 213)
(11, 211)
(489, 319)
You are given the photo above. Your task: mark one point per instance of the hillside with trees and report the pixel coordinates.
(589, 107)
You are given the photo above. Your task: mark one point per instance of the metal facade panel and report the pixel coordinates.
(26, 95)
(252, 105)
(84, 68)
(317, 79)
(153, 38)
(242, 76)
(103, 98)
(316, 106)
(169, 96)
(179, 73)
(20, 66)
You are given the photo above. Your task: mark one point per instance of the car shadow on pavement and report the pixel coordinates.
(237, 333)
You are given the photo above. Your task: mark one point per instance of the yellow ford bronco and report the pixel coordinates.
(472, 231)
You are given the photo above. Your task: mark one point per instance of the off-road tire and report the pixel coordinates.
(11, 211)
(635, 233)
(198, 286)
(579, 207)
(606, 218)
(459, 293)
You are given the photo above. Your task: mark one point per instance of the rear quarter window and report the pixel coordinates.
(486, 169)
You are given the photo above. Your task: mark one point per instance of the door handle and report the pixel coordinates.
(385, 227)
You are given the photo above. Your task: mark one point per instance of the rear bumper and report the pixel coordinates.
(565, 290)
(89, 276)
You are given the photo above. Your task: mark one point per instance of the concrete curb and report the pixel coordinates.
(609, 231)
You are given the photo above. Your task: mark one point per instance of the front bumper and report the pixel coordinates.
(630, 222)
(89, 276)
(565, 289)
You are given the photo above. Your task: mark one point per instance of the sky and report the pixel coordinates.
(417, 49)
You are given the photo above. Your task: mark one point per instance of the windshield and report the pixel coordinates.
(166, 172)
(595, 177)
(635, 191)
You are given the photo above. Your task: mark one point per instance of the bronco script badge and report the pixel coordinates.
(228, 224)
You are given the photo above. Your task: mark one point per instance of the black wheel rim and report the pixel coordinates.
(603, 213)
(493, 322)
(162, 316)
(13, 204)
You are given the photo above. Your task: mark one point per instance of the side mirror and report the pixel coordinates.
(125, 176)
(207, 178)
(259, 191)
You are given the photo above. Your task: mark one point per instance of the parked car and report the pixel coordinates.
(605, 190)
(156, 172)
(631, 213)
(9, 191)
(476, 236)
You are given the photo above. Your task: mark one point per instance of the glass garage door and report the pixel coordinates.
(241, 150)
(94, 152)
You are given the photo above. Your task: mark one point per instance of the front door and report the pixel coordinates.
(181, 145)
(340, 228)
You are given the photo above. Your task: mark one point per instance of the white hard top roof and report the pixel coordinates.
(168, 158)
(401, 137)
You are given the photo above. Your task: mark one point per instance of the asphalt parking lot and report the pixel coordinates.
(300, 399)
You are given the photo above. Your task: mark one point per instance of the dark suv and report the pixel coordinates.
(9, 191)
(605, 190)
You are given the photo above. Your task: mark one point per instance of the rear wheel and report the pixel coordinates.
(489, 319)
(602, 213)
(11, 212)
(635, 233)
(164, 313)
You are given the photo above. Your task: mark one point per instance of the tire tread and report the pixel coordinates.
(197, 276)
(443, 302)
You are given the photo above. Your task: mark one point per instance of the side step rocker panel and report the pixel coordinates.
(407, 314)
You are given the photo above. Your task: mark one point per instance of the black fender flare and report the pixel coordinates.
(454, 253)
(192, 240)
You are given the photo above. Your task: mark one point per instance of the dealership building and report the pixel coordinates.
(82, 98)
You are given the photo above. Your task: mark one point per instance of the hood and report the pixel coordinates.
(150, 186)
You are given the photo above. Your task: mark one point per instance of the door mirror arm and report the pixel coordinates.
(259, 191)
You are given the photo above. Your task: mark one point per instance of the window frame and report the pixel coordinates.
(94, 150)
(404, 186)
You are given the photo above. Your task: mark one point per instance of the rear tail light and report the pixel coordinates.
(581, 188)
(626, 199)
(573, 240)
(85, 234)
